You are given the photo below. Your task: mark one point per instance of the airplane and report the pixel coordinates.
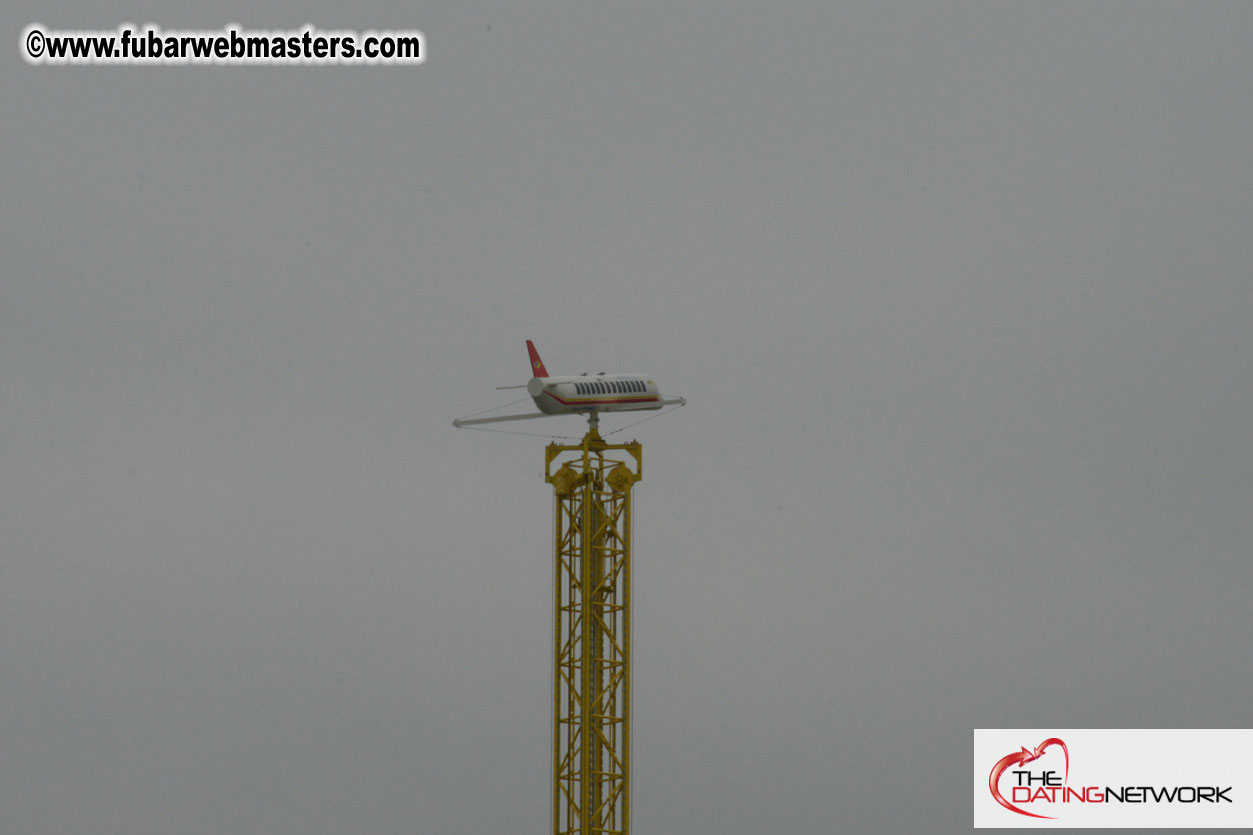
(582, 394)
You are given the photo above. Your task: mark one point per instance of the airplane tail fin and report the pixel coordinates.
(537, 364)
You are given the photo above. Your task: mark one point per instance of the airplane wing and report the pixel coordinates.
(460, 422)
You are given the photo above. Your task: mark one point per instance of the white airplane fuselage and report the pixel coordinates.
(599, 393)
(583, 394)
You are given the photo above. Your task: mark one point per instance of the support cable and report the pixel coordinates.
(645, 420)
(561, 437)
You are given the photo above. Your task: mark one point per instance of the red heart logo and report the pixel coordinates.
(1023, 757)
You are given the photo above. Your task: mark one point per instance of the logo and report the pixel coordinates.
(1022, 758)
(1118, 778)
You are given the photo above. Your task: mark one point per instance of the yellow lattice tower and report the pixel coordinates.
(592, 634)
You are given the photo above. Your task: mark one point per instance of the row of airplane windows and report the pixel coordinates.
(611, 387)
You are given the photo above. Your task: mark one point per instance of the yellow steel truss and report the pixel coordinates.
(592, 634)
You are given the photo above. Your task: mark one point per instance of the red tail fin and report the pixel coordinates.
(537, 364)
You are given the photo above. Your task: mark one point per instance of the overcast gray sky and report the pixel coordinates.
(959, 294)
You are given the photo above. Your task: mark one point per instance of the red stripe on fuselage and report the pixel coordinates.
(600, 402)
